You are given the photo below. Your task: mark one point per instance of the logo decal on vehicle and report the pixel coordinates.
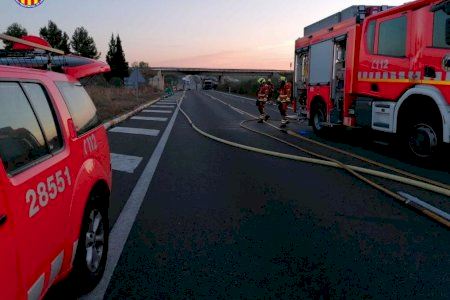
(29, 3)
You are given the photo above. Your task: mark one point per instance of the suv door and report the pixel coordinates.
(31, 148)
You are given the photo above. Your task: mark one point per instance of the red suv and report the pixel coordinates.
(55, 183)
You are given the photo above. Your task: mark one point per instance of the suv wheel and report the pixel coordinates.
(90, 259)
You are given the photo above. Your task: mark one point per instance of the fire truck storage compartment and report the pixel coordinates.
(338, 82)
(301, 76)
(321, 66)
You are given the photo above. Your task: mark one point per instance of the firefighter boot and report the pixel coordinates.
(262, 117)
(284, 122)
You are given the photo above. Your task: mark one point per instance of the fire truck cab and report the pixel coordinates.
(55, 178)
(379, 67)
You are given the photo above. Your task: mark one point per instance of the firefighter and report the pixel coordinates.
(263, 94)
(271, 90)
(284, 99)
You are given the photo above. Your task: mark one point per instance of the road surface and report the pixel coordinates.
(193, 218)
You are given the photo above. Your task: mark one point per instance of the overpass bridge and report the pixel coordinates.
(220, 72)
(203, 73)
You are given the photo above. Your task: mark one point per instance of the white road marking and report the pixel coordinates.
(247, 98)
(424, 204)
(124, 223)
(149, 119)
(138, 131)
(125, 163)
(163, 106)
(157, 111)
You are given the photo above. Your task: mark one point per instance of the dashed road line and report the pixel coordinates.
(163, 106)
(157, 111)
(125, 163)
(149, 119)
(137, 131)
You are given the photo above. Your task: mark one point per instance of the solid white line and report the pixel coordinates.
(157, 111)
(125, 163)
(124, 223)
(138, 131)
(246, 98)
(149, 119)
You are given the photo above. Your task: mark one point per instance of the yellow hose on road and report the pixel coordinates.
(326, 161)
(361, 158)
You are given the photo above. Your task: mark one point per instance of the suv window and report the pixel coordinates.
(81, 108)
(440, 17)
(392, 37)
(46, 116)
(371, 37)
(21, 138)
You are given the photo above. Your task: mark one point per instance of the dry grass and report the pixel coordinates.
(112, 102)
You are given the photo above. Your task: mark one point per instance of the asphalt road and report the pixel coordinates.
(205, 220)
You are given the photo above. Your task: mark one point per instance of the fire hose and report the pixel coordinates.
(413, 180)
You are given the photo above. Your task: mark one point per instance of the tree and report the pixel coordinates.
(55, 37)
(65, 43)
(15, 30)
(111, 50)
(118, 63)
(140, 64)
(83, 44)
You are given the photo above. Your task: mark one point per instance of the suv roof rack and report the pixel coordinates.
(29, 54)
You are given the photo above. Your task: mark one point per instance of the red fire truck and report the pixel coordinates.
(379, 67)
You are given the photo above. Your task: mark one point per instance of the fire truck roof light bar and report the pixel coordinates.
(31, 44)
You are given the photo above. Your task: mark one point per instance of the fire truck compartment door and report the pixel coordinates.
(321, 66)
(383, 116)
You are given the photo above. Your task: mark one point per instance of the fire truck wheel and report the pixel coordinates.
(90, 260)
(423, 138)
(318, 117)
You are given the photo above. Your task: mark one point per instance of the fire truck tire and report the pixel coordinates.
(90, 260)
(423, 139)
(318, 116)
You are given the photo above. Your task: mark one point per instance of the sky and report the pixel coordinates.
(190, 33)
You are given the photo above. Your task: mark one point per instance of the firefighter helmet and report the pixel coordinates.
(282, 78)
(261, 80)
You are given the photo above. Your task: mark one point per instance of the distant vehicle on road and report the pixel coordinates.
(207, 84)
(383, 68)
(55, 177)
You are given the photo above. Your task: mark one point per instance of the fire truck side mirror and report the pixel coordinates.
(447, 31)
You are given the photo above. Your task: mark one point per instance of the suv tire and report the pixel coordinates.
(90, 260)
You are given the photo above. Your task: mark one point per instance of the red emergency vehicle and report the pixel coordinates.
(379, 67)
(55, 174)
